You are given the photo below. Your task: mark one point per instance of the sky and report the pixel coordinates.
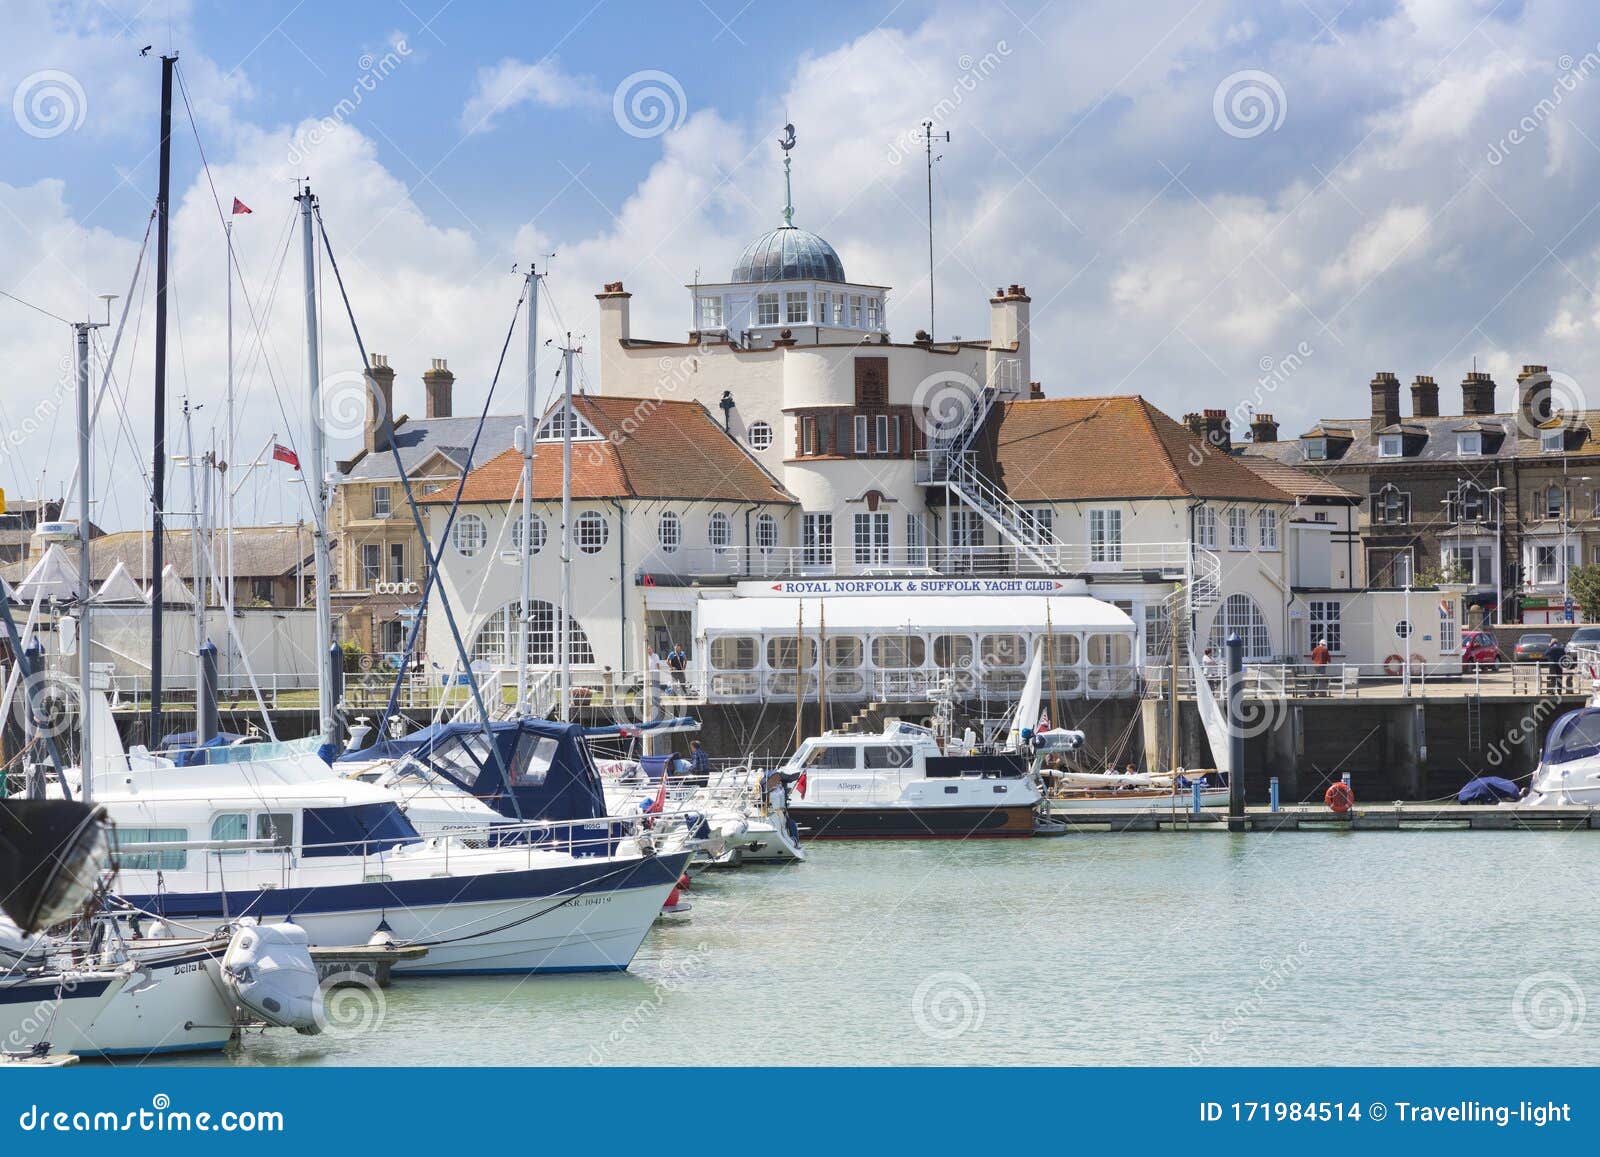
(1213, 203)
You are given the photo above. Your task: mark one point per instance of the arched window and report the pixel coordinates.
(759, 435)
(720, 531)
(536, 539)
(766, 533)
(669, 532)
(496, 641)
(470, 535)
(592, 532)
(1392, 504)
(1554, 501)
(1239, 614)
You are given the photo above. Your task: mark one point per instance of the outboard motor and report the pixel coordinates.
(268, 967)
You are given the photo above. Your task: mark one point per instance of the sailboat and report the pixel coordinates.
(270, 831)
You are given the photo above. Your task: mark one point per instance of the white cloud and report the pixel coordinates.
(512, 82)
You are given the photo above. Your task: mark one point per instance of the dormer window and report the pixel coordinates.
(1316, 449)
(1552, 441)
(553, 428)
(1469, 445)
(1391, 446)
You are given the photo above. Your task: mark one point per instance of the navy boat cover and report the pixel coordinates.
(1488, 789)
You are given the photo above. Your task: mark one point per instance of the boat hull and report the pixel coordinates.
(59, 1009)
(175, 1003)
(913, 823)
(1138, 801)
(580, 918)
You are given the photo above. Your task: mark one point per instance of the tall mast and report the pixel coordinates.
(227, 440)
(197, 584)
(317, 472)
(80, 333)
(563, 616)
(158, 463)
(530, 415)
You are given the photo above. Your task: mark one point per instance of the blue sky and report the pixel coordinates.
(1195, 192)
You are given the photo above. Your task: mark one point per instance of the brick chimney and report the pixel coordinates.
(1477, 394)
(1534, 406)
(439, 383)
(1263, 428)
(1211, 427)
(1424, 397)
(1009, 338)
(379, 426)
(614, 330)
(1385, 401)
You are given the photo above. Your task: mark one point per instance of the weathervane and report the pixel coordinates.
(786, 143)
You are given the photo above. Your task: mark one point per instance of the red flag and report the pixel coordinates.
(284, 454)
(661, 796)
(240, 207)
(800, 785)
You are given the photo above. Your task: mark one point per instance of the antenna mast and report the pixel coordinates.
(928, 137)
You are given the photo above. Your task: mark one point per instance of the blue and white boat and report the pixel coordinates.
(271, 831)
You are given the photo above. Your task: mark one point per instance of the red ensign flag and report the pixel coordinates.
(284, 454)
(240, 207)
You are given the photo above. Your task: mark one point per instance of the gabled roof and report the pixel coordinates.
(1435, 440)
(418, 439)
(648, 448)
(258, 552)
(1066, 449)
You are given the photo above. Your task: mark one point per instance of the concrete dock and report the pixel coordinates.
(1389, 817)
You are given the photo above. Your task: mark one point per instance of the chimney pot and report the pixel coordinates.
(1477, 394)
(378, 429)
(1385, 401)
(1263, 428)
(1424, 397)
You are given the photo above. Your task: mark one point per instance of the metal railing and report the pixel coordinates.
(1170, 559)
(1441, 678)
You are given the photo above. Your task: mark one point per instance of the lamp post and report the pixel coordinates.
(1498, 494)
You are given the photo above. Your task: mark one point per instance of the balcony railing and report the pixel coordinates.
(1168, 558)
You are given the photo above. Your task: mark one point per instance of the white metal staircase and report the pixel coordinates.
(952, 462)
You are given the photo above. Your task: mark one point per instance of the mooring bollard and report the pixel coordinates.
(1272, 792)
(1194, 797)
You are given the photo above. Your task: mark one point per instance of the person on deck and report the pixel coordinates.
(699, 765)
(678, 660)
(1320, 655)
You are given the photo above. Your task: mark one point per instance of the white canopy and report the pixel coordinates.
(173, 589)
(119, 587)
(52, 577)
(932, 613)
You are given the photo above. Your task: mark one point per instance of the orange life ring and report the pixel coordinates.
(1339, 797)
(1393, 665)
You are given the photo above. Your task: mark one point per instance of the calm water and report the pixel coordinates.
(1299, 948)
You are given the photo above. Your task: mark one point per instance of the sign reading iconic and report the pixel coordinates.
(821, 588)
(409, 587)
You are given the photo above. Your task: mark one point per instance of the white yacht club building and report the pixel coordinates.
(787, 461)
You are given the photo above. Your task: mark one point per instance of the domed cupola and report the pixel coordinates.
(788, 253)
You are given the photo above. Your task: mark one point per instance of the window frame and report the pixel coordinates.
(470, 535)
(591, 531)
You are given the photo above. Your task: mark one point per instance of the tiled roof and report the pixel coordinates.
(258, 552)
(648, 449)
(1055, 449)
(1292, 480)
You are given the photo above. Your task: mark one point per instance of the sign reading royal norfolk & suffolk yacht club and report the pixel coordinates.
(826, 588)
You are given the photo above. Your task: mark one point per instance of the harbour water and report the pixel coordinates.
(1453, 948)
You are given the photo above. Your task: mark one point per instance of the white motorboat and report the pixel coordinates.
(1569, 766)
(899, 784)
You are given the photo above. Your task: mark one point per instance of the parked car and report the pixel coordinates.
(1533, 648)
(1585, 637)
(1480, 649)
